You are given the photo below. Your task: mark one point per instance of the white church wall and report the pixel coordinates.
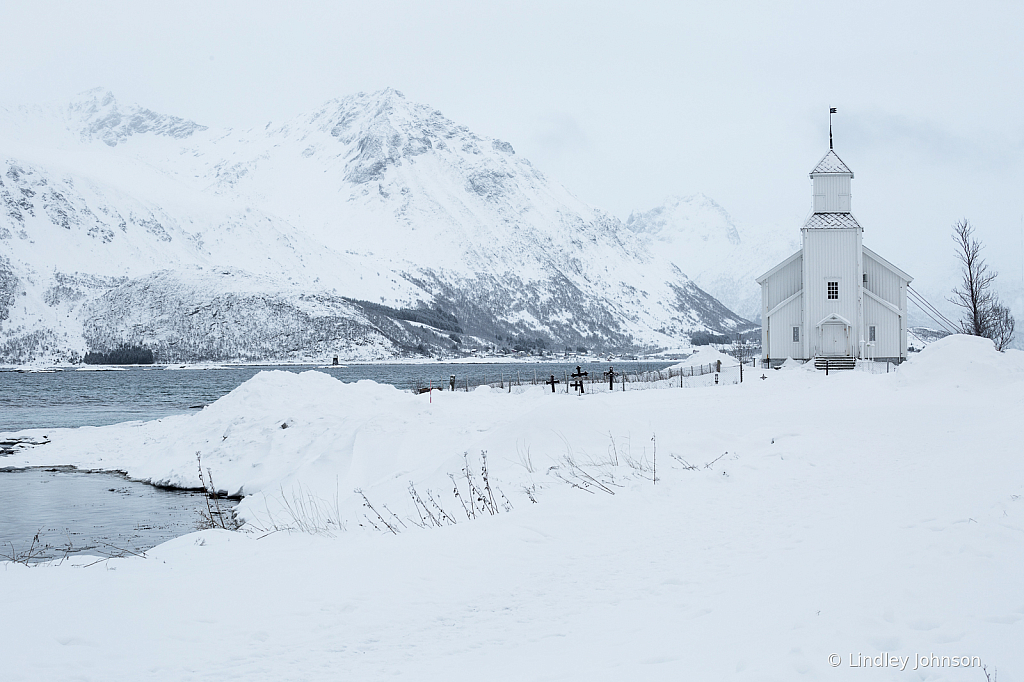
(881, 281)
(830, 256)
(887, 328)
(782, 284)
(780, 332)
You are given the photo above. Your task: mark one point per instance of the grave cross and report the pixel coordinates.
(611, 374)
(551, 382)
(578, 377)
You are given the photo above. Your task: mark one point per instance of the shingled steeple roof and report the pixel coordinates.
(831, 163)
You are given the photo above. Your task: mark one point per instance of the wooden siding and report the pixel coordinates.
(782, 284)
(888, 333)
(831, 255)
(777, 333)
(785, 283)
(831, 193)
(882, 281)
(891, 327)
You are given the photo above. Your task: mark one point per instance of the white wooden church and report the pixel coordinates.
(835, 298)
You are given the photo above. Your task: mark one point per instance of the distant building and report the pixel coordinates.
(834, 298)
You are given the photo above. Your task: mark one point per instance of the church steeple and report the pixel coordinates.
(831, 179)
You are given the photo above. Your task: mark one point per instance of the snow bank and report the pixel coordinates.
(706, 355)
(308, 434)
(791, 364)
(275, 430)
(959, 360)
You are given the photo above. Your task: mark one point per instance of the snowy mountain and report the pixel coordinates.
(120, 225)
(722, 258)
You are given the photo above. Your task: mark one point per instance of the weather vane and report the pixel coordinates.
(831, 111)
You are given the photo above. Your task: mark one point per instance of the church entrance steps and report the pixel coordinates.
(830, 363)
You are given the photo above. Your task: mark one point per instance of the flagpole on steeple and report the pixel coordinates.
(831, 111)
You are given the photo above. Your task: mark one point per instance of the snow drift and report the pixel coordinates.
(964, 361)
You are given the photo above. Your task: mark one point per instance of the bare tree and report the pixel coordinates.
(1002, 326)
(984, 315)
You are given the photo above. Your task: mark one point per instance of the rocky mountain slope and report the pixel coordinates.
(720, 256)
(120, 225)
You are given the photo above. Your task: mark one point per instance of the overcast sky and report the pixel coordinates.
(624, 103)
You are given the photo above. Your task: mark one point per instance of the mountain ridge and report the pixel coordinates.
(369, 197)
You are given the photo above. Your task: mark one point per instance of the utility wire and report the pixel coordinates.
(930, 310)
(921, 300)
(952, 325)
(942, 325)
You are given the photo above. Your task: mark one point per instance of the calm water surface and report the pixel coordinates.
(101, 514)
(72, 398)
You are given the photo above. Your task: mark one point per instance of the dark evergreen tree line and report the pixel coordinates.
(125, 355)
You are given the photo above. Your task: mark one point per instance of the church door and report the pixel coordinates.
(833, 340)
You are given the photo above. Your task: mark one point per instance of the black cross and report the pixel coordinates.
(611, 374)
(551, 382)
(578, 376)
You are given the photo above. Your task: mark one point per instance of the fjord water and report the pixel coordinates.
(71, 398)
(48, 513)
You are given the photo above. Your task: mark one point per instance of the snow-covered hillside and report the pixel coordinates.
(722, 258)
(116, 221)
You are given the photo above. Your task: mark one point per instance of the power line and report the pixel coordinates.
(942, 325)
(922, 299)
(931, 311)
(952, 325)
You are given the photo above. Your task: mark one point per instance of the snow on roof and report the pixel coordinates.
(833, 220)
(831, 163)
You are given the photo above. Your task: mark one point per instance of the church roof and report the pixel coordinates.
(831, 163)
(833, 220)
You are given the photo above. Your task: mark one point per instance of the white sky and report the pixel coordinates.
(625, 104)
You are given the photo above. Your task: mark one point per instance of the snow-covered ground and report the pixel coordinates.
(793, 518)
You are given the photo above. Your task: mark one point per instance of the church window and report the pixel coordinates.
(796, 334)
(871, 333)
(833, 291)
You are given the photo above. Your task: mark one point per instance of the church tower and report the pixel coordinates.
(832, 240)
